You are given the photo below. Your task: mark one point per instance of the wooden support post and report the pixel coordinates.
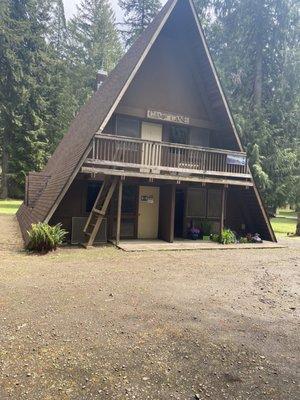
(119, 212)
(223, 209)
(167, 212)
(172, 213)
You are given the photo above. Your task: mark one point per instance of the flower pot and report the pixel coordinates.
(194, 236)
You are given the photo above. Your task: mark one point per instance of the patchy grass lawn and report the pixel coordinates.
(285, 222)
(9, 207)
(286, 214)
(283, 226)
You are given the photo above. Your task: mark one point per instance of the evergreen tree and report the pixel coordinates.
(137, 16)
(57, 29)
(255, 43)
(43, 81)
(93, 45)
(62, 104)
(23, 77)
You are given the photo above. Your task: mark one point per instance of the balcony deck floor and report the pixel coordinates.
(185, 244)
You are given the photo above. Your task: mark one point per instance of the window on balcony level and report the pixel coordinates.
(179, 134)
(127, 126)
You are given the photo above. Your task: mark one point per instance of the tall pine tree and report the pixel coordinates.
(23, 80)
(93, 45)
(61, 101)
(137, 16)
(57, 29)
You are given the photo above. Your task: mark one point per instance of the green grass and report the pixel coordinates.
(9, 207)
(286, 213)
(285, 222)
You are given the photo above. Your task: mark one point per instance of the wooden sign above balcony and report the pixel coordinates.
(177, 119)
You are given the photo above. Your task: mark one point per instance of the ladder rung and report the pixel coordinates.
(98, 211)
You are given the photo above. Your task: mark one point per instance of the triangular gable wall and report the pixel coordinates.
(177, 72)
(94, 116)
(166, 81)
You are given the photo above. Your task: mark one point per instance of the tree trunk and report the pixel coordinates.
(298, 224)
(258, 81)
(4, 167)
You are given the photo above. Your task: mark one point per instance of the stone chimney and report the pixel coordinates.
(101, 76)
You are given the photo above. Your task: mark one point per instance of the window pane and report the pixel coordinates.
(199, 137)
(179, 134)
(214, 203)
(129, 200)
(128, 127)
(111, 126)
(92, 193)
(196, 203)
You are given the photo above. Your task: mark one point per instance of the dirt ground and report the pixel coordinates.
(105, 324)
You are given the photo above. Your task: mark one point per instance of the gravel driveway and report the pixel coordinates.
(105, 324)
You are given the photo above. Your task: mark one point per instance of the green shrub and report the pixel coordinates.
(243, 240)
(44, 238)
(227, 237)
(215, 238)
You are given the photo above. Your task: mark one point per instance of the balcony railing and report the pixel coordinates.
(162, 157)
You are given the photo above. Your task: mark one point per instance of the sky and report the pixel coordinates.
(70, 7)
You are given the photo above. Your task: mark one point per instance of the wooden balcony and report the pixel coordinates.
(144, 156)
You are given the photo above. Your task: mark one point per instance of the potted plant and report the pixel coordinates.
(194, 233)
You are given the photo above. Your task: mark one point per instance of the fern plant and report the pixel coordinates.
(227, 237)
(44, 238)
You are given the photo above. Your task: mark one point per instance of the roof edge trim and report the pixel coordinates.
(214, 70)
(137, 67)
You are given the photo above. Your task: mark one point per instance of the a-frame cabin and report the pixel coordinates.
(154, 152)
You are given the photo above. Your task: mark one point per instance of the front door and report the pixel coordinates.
(151, 154)
(148, 212)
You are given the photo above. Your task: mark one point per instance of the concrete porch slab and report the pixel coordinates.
(185, 244)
